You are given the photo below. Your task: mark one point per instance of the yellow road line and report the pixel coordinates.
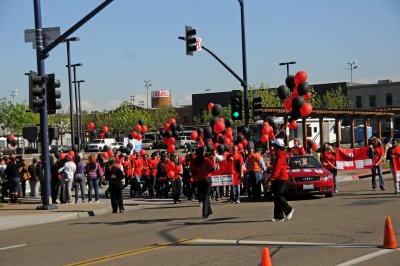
(129, 252)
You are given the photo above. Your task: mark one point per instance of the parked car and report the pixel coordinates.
(185, 142)
(60, 148)
(147, 144)
(7, 151)
(116, 145)
(307, 176)
(98, 144)
(193, 146)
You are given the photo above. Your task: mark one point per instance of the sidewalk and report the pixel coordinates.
(24, 213)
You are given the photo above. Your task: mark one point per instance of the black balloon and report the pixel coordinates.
(272, 123)
(106, 148)
(207, 132)
(122, 148)
(168, 134)
(223, 131)
(130, 145)
(216, 110)
(283, 92)
(290, 82)
(9, 140)
(14, 142)
(130, 136)
(239, 138)
(303, 88)
(309, 142)
(221, 149)
(227, 147)
(93, 133)
(127, 150)
(221, 139)
(295, 114)
(173, 126)
(297, 103)
(175, 133)
(228, 122)
(245, 130)
(162, 132)
(180, 127)
(141, 122)
(209, 147)
(214, 139)
(107, 135)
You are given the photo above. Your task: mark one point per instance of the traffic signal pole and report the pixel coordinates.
(41, 55)
(244, 61)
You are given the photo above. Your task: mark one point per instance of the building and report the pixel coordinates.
(160, 98)
(185, 116)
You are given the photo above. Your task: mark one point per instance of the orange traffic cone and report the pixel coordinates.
(389, 238)
(266, 260)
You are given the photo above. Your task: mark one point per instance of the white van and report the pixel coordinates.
(185, 142)
(98, 144)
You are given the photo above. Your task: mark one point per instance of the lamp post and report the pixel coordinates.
(287, 66)
(244, 63)
(76, 102)
(71, 103)
(147, 84)
(351, 67)
(13, 93)
(79, 112)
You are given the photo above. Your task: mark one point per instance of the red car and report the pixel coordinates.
(308, 177)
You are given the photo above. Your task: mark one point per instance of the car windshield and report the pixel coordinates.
(96, 141)
(297, 162)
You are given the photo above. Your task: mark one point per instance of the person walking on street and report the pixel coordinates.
(390, 155)
(79, 178)
(378, 154)
(328, 160)
(255, 166)
(12, 175)
(201, 169)
(93, 173)
(235, 164)
(34, 172)
(67, 178)
(279, 177)
(114, 175)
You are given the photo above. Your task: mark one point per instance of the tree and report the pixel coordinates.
(335, 99)
(15, 116)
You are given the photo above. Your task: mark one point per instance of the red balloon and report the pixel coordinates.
(219, 127)
(90, 125)
(171, 148)
(265, 124)
(307, 96)
(134, 134)
(166, 126)
(139, 136)
(138, 127)
(142, 152)
(266, 130)
(240, 146)
(62, 156)
(288, 104)
(210, 106)
(171, 174)
(105, 129)
(178, 169)
(228, 141)
(201, 143)
(221, 119)
(306, 109)
(244, 142)
(104, 155)
(293, 124)
(171, 165)
(171, 141)
(110, 152)
(102, 135)
(144, 129)
(72, 153)
(314, 146)
(264, 138)
(300, 77)
(194, 135)
(172, 120)
(165, 140)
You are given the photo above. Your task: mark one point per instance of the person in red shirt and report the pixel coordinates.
(201, 169)
(235, 164)
(279, 177)
(297, 149)
(378, 154)
(328, 160)
(137, 165)
(152, 164)
(176, 180)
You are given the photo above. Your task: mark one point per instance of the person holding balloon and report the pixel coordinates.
(174, 173)
(297, 149)
(114, 175)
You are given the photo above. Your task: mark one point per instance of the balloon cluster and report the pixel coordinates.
(218, 135)
(140, 127)
(173, 169)
(296, 101)
(269, 129)
(93, 132)
(170, 133)
(11, 140)
(61, 156)
(310, 144)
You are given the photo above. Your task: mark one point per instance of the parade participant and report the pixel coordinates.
(390, 155)
(187, 179)
(161, 174)
(279, 177)
(12, 175)
(255, 166)
(328, 160)
(79, 178)
(128, 171)
(56, 177)
(3, 183)
(235, 164)
(378, 154)
(152, 163)
(201, 169)
(34, 172)
(145, 172)
(114, 176)
(93, 174)
(23, 174)
(68, 176)
(137, 166)
(297, 149)
(176, 180)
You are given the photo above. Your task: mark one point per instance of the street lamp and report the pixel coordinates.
(147, 84)
(13, 93)
(351, 67)
(287, 66)
(79, 112)
(76, 103)
(68, 40)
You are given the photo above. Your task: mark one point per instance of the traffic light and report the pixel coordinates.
(236, 107)
(190, 40)
(257, 107)
(36, 92)
(53, 94)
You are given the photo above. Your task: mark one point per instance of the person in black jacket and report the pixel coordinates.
(12, 175)
(114, 175)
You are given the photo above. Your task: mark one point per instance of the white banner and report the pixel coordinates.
(221, 180)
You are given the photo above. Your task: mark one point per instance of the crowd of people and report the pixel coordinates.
(168, 175)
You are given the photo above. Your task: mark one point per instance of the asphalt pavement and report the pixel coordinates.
(24, 212)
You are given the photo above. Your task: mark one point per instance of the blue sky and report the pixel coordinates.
(131, 41)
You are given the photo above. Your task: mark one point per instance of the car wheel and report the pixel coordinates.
(328, 195)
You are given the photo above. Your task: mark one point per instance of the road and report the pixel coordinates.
(323, 231)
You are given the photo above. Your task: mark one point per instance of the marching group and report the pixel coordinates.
(164, 175)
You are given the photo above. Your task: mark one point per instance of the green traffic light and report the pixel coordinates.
(235, 114)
